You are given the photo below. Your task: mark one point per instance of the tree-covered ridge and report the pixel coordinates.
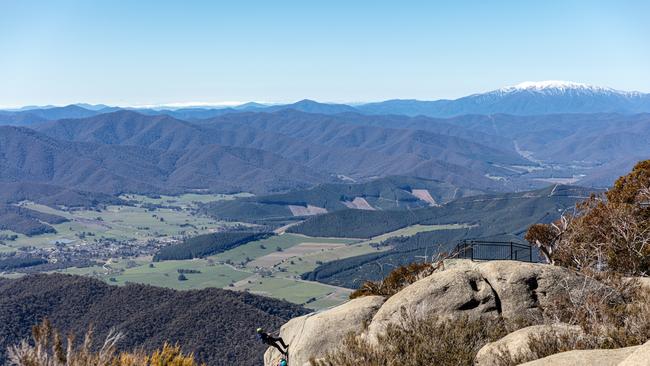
(517, 208)
(26, 221)
(388, 193)
(208, 244)
(217, 326)
(502, 217)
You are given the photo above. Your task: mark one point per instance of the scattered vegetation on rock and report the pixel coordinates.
(395, 281)
(416, 341)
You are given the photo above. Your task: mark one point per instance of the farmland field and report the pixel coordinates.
(414, 229)
(184, 200)
(270, 245)
(166, 274)
(126, 222)
(270, 266)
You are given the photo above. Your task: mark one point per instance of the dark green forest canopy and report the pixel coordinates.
(208, 244)
(218, 326)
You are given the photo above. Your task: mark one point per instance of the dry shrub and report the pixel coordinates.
(415, 342)
(395, 281)
(168, 356)
(613, 313)
(606, 236)
(50, 349)
(605, 233)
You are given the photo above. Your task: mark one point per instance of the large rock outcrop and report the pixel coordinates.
(448, 293)
(629, 356)
(516, 343)
(508, 289)
(315, 334)
(497, 289)
(594, 357)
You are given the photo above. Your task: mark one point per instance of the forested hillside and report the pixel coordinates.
(325, 143)
(51, 195)
(500, 217)
(218, 326)
(32, 157)
(26, 221)
(380, 194)
(208, 244)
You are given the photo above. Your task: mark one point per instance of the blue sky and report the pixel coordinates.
(156, 52)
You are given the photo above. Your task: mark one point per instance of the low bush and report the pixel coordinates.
(415, 342)
(612, 312)
(395, 281)
(605, 233)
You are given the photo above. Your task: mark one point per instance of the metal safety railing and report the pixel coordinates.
(493, 250)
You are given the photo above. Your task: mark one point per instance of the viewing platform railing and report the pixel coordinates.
(494, 250)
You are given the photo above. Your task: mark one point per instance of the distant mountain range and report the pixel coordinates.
(262, 152)
(323, 143)
(514, 139)
(32, 157)
(528, 98)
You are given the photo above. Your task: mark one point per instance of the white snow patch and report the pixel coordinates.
(560, 86)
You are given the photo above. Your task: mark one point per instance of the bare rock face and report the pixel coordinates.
(313, 335)
(525, 289)
(629, 356)
(449, 293)
(493, 290)
(640, 357)
(508, 289)
(595, 357)
(517, 342)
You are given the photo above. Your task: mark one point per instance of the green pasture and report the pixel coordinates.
(165, 274)
(185, 200)
(254, 250)
(121, 223)
(286, 289)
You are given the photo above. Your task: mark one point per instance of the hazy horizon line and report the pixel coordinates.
(233, 103)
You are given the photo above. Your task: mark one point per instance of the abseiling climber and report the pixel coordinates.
(272, 341)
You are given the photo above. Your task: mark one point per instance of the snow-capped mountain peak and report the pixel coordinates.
(555, 85)
(558, 84)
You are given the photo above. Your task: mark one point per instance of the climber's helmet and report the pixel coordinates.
(260, 330)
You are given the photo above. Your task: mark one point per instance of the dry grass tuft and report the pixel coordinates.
(395, 281)
(430, 341)
(614, 313)
(50, 349)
